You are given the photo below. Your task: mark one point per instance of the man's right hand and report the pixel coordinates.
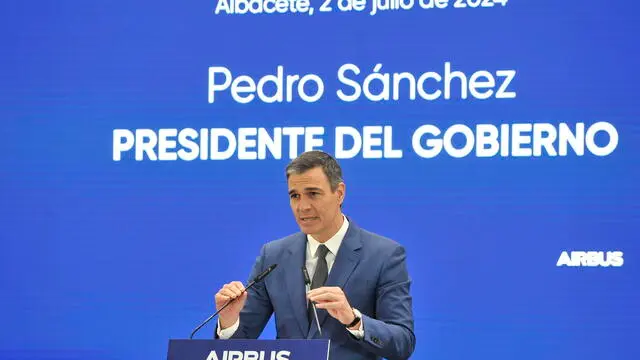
(232, 290)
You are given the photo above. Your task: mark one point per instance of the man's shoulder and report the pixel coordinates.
(284, 243)
(378, 242)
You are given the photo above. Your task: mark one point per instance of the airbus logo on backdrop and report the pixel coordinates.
(591, 259)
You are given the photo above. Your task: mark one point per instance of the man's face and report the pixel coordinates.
(315, 207)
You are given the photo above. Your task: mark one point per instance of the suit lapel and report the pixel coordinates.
(295, 282)
(346, 261)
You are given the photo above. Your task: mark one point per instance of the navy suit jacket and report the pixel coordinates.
(372, 272)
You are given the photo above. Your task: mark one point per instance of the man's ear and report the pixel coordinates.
(342, 192)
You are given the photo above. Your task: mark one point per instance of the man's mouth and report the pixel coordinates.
(308, 218)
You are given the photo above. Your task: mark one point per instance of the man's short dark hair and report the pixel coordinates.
(313, 159)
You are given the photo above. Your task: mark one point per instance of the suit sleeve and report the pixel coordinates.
(390, 334)
(258, 309)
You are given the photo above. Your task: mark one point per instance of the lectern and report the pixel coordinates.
(316, 349)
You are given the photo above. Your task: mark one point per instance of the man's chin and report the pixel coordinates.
(308, 228)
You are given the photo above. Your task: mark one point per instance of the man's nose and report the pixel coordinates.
(304, 204)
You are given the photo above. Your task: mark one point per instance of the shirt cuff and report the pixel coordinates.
(228, 332)
(358, 333)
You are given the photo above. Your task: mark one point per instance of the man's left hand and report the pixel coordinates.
(333, 299)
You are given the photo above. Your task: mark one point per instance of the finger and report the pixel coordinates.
(222, 298)
(236, 291)
(320, 295)
(227, 293)
(233, 288)
(334, 289)
(238, 285)
(326, 289)
(324, 297)
(330, 288)
(231, 291)
(330, 305)
(316, 292)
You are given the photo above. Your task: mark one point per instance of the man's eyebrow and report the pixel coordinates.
(307, 189)
(312, 189)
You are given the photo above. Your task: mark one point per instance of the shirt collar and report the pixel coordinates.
(333, 244)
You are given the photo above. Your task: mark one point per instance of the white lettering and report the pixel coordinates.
(120, 135)
(249, 355)
(430, 85)
(591, 259)
(518, 140)
(369, 141)
(244, 89)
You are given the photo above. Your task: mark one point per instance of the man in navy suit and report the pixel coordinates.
(360, 282)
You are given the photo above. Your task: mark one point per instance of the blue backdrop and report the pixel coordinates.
(105, 259)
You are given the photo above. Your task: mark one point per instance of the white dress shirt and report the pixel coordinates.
(333, 244)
